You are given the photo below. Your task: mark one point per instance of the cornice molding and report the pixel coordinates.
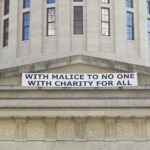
(76, 59)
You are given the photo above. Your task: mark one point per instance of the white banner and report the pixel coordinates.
(79, 80)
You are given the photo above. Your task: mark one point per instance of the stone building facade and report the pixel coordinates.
(37, 118)
(65, 43)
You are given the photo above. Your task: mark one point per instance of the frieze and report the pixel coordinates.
(75, 129)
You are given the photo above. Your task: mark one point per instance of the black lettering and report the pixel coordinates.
(90, 83)
(45, 76)
(48, 83)
(119, 76)
(132, 76)
(107, 76)
(42, 83)
(28, 76)
(104, 83)
(126, 76)
(119, 83)
(54, 76)
(110, 83)
(104, 76)
(82, 76)
(38, 83)
(110, 76)
(71, 76)
(63, 83)
(61, 77)
(64, 77)
(89, 76)
(124, 83)
(40, 75)
(129, 83)
(69, 84)
(80, 83)
(35, 76)
(95, 76)
(75, 83)
(76, 76)
(57, 83)
(32, 83)
(98, 83)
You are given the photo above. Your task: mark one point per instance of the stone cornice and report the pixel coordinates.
(76, 59)
(19, 88)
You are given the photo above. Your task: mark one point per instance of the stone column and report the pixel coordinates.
(64, 28)
(13, 30)
(93, 25)
(140, 129)
(80, 129)
(21, 134)
(110, 129)
(50, 129)
(36, 27)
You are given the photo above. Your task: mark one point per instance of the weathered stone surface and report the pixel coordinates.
(75, 129)
(74, 118)
(36, 138)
